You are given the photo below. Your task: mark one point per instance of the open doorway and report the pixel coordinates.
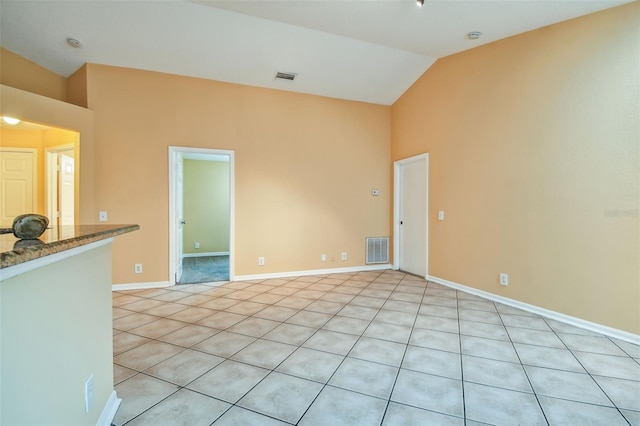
(60, 183)
(201, 215)
(38, 173)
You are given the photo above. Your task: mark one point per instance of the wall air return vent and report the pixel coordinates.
(287, 76)
(377, 250)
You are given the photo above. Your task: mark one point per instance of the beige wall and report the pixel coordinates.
(21, 73)
(46, 111)
(56, 331)
(206, 206)
(533, 145)
(304, 168)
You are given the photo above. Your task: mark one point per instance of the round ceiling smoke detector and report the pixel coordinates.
(73, 42)
(474, 35)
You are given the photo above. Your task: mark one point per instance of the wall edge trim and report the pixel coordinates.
(567, 319)
(140, 286)
(311, 272)
(110, 409)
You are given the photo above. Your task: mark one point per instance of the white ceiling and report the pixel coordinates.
(364, 50)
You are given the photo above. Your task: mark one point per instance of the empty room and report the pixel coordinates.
(320, 212)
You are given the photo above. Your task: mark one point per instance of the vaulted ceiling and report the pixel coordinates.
(364, 50)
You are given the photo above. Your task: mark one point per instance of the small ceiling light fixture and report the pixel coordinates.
(74, 42)
(420, 3)
(474, 35)
(10, 120)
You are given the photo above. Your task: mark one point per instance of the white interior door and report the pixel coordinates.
(17, 184)
(411, 215)
(179, 202)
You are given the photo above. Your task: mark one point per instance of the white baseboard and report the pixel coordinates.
(110, 409)
(207, 254)
(160, 284)
(140, 286)
(567, 319)
(311, 272)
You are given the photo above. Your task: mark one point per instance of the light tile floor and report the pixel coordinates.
(368, 348)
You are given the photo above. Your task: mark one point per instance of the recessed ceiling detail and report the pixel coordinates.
(288, 76)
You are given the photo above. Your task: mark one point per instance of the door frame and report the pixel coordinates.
(173, 155)
(52, 175)
(397, 186)
(61, 195)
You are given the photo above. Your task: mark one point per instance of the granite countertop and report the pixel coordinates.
(14, 251)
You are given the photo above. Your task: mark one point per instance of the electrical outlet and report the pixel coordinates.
(323, 257)
(196, 245)
(504, 279)
(137, 268)
(102, 216)
(88, 394)
(261, 261)
(343, 256)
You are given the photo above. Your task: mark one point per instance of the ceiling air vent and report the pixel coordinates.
(289, 76)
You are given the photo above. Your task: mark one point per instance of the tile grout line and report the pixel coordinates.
(257, 338)
(344, 357)
(403, 355)
(179, 387)
(535, 394)
(185, 387)
(464, 402)
(588, 372)
(274, 369)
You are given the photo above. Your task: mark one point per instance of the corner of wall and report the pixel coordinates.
(77, 93)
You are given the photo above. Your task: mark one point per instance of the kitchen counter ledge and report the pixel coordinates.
(52, 242)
